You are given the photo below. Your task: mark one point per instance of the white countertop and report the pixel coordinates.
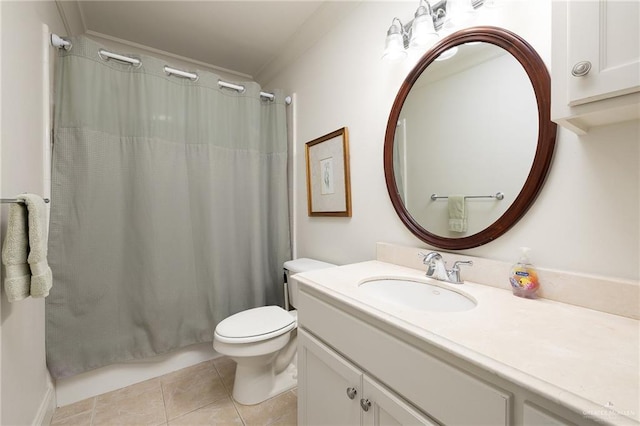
(586, 360)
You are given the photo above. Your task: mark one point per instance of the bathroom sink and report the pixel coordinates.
(417, 295)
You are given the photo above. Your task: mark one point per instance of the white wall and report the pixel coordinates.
(586, 218)
(26, 392)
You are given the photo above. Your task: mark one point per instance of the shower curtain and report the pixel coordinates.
(169, 208)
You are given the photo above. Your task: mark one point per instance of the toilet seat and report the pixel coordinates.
(255, 324)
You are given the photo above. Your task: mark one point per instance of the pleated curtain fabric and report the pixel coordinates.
(169, 208)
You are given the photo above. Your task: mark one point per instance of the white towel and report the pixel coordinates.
(457, 214)
(24, 252)
(41, 279)
(15, 249)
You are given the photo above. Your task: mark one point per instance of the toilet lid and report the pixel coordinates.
(256, 324)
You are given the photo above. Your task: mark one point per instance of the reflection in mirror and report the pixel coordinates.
(474, 114)
(473, 125)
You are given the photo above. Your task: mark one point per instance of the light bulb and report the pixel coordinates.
(394, 48)
(459, 13)
(394, 44)
(423, 32)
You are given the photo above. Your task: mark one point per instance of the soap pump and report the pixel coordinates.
(524, 278)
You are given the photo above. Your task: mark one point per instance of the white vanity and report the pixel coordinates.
(507, 361)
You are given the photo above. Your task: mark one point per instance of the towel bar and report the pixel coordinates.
(15, 200)
(497, 196)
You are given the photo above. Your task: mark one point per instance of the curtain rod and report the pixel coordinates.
(60, 43)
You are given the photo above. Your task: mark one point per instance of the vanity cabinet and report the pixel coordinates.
(333, 391)
(338, 352)
(595, 63)
(533, 415)
(358, 367)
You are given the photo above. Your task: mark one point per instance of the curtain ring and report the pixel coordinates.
(106, 56)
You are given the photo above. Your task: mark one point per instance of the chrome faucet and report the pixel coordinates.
(437, 268)
(435, 265)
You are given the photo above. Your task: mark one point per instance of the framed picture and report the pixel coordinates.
(328, 185)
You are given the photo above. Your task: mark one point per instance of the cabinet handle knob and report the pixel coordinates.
(365, 404)
(352, 392)
(581, 69)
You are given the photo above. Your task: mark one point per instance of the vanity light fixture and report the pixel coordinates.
(394, 49)
(422, 31)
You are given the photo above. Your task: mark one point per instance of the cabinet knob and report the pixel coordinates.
(365, 404)
(581, 69)
(351, 393)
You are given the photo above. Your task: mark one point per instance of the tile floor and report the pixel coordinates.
(197, 395)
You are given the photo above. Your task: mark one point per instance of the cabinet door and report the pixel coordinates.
(535, 416)
(326, 385)
(606, 34)
(387, 409)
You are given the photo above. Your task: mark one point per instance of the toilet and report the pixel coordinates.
(262, 342)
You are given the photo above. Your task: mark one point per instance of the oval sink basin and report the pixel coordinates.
(417, 295)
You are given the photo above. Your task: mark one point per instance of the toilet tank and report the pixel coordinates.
(293, 267)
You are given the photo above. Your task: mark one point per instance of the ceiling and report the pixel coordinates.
(240, 36)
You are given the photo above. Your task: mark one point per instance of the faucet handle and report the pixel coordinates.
(454, 274)
(456, 264)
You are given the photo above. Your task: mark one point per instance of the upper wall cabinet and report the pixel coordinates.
(595, 63)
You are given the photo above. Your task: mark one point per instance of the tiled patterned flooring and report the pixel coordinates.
(197, 395)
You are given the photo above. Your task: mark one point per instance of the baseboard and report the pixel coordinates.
(47, 407)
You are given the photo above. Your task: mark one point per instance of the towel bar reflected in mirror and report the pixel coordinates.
(497, 196)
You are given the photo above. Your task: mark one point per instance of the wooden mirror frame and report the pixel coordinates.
(541, 81)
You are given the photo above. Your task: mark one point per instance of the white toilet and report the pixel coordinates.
(262, 341)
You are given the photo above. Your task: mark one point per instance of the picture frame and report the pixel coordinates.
(328, 180)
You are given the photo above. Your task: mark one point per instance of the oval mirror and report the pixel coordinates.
(469, 140)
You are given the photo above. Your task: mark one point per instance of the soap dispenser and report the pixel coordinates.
(524, 278)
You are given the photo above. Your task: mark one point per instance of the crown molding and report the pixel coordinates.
(152, 50)
(72, 18)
